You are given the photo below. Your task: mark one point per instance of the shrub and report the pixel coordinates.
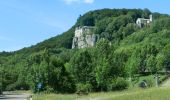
(119, 84)
(11, 87)
(0, 91)
(48, 90)
(17, 86)
(149, 82)
(1, 88)
(83, 88)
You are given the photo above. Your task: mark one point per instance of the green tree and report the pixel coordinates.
(103, 68)
(166, 57)
(102, 74)
(132, 66)
(81, 66)
(1, 79)
(151, 64)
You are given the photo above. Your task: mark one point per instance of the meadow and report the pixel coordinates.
(161, 93)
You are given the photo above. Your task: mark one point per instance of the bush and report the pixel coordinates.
(48, 90)
(17, 86)
(149, 82)
(0, 91)
(83, 88)
(11, 87)
(119, 84)
(1, 88)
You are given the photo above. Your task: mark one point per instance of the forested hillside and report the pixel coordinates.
(123, 52)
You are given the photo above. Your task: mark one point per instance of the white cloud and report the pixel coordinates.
(88, 1)
(78, 1)
(71, 1)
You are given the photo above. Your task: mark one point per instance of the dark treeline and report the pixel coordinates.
(123, 52)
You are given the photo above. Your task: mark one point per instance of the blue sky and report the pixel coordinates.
(26, 22)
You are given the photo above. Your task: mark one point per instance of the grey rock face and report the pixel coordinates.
(84, 37)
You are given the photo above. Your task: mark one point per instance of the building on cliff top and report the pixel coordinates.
(141, 22)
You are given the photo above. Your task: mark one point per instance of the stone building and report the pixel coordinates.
(84, 37)
(141, 22)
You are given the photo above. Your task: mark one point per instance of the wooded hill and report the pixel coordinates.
(105, 67)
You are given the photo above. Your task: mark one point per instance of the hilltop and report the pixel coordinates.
(124, 51)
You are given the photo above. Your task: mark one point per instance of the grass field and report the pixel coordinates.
(151, 78)
(132, 94)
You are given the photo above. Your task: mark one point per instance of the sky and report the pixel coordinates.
(27, 22)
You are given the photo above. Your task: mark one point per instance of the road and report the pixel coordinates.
(14, 96)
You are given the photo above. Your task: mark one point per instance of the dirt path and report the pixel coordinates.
(14, 96)
(166, 83)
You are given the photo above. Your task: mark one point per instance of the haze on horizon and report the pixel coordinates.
(26, 22)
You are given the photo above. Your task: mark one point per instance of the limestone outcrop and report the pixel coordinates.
(84, 37)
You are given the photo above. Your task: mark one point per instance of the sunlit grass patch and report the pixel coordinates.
(131, 94)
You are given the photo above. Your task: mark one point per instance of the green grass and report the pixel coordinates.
(151, 78)
(131, 94)
(55, 97)
(150, 94)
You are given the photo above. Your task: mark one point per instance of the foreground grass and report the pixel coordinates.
(132, 94)
(150, 94)
(55, 97)
(151, 78)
